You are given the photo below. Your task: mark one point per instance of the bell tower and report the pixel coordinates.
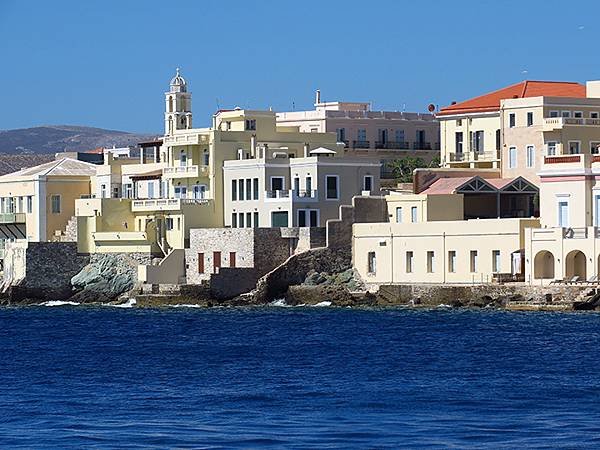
(178, 105)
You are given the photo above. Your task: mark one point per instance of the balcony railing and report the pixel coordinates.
(12, 218)
(277, 194)
(392, 145)
(305, 194)
(562, 159)
(120, 236)
(575, 233)
(555, 123)
(474, 156)
(361, 144)
(165, 204)
(422, 145)
(346, 143)
(185, 171)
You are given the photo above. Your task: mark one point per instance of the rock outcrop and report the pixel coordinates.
(104, 279)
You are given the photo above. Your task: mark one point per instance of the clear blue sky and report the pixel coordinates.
(107, 63)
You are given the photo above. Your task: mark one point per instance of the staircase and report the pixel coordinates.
(70, 234)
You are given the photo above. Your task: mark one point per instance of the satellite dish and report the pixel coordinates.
(431, 107)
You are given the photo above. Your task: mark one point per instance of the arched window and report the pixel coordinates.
(170, 104)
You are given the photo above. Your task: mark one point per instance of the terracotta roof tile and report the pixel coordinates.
(491, 100)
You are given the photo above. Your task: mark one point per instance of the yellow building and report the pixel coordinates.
(42, 198)
(177, 184)
(505, 129)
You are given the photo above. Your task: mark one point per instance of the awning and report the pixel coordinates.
(151, 175)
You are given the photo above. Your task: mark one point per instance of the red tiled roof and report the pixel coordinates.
(491, 100)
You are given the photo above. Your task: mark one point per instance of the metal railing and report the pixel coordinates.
(305, 193)
(575, 233)
(392, 145)
(361, 144)
(277, 194)
(421, 145)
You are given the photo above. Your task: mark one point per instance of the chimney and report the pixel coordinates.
(306, 148)
(317, 96)
(253, 145)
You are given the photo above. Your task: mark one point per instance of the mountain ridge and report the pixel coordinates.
(46, 139)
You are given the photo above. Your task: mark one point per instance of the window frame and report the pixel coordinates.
(529, 164)
(337, 187)
(59, 197)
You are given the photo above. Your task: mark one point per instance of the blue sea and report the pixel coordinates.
(297, 378)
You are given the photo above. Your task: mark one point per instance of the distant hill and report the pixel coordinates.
(49, 139)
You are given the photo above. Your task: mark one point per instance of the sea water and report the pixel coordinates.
(73, 376)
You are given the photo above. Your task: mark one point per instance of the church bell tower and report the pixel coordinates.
(178, 107)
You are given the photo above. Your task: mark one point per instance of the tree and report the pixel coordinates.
(403, 168)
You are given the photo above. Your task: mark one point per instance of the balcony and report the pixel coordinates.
(558, 123)
(8, 218)
(574, 161)
(185, 172)
(305, 195)
(422, 146)
(474, 156)
(112, 236)
(278, 194)
(165, 204)
(392, 145)
(361, 144)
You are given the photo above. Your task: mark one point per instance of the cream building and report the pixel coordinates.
(386, 135)
(275, 190)
(41, 199)
(454, 252)
(567, 247)
(506, 129)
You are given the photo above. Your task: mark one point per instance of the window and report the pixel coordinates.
(578, 114)
(511, 120)
(574, 147)
(200, 262)
(128, 190)
(452, 261)
(151, 189)
(255, 223)
(169, 223)
(530, 156)
(234, 190)
(477, 144)
(331, 183)
(399, 135)
(183, 159)
(250, 124)
(529, 119)
(199, 191)
(566, 114)
(409, 262)
(430, 262)
(496, 261)
(554, 114)
(241, 220)
(279, 219)
(277, 183)
(20, 205)
(512, 157)
(29, 204)
(459, 122)
(241, 189)
(255, 188)
(399, 214)
(551, 148)
(233, 220)
(248, 189)
(206, 158)
(115, 193)
(103, 191)
(361, 135)
(180, 191)
(248, 220)
(309, 185)
(458, 139)
(563, 213)
(473, 260)
(178, 223)
(382, 135)
(231, 259)
(341, 134)
(297, 186)
(413, 214)
(498, 140)
(55, 204)
(594, 115)
(594, 148)
(372, 262)
(368, 183)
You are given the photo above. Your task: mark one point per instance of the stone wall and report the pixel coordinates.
(41, 270)
(363, 210)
